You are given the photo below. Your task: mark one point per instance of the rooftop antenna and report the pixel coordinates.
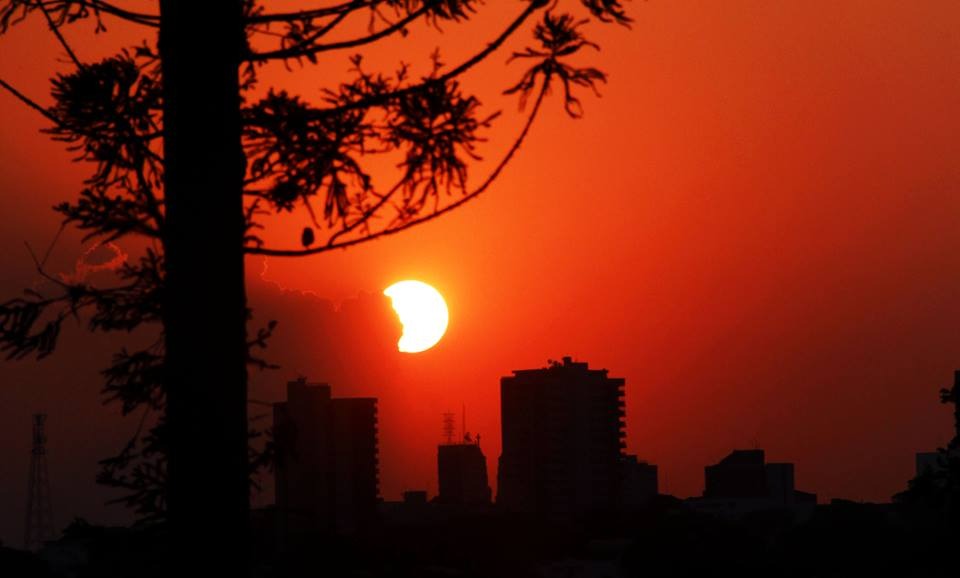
(463, 423)
(448, 427)
(39, 524)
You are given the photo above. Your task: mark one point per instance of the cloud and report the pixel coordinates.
(97, 258)
(351, 345)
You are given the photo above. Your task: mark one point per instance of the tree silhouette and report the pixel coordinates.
(952, 396)
(190, 154)
(932, 497)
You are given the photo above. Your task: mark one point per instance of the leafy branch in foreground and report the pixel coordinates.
(299, 155)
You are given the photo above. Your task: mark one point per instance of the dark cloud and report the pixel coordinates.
(352, 344)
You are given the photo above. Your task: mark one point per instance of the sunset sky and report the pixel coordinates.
(757, 225)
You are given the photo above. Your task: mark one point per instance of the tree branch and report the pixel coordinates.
(56, 31)
(128, 15)
(379, 99)
(412, 223)
(138, 17)
(304, 49)
(301, 15)
(52, 118)
(101, 6)
(32, 104)
(365, 217)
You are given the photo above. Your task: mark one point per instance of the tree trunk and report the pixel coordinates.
(204, 315)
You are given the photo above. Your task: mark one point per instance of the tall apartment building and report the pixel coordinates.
(563, 440)
(327, 473)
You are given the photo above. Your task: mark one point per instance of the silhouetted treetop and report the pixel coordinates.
(313, 156)
(300, 155)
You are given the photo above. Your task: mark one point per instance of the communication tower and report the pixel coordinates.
(39, 526)
(449, 427)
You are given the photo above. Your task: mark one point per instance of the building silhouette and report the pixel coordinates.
(639, 483)
(327, 472)
(743, 482)
(563, 440)
(742, 474)
(462, 473)
(356, 461)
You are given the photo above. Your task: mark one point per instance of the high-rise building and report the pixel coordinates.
(356, 465)
(563, 440)
(327, 463)
(462, 472)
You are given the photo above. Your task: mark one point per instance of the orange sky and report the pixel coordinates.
(757, 226)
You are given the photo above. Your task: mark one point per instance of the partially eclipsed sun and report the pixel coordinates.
(422, 312)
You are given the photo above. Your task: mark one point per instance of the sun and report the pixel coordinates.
(422, 312)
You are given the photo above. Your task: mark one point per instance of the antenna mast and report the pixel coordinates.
(39, 526)
(448, 427)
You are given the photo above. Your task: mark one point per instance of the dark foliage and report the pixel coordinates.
(932, 498)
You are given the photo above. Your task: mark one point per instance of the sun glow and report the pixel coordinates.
(422, 312)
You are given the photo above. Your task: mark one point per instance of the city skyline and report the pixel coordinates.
(739, 219)
(742, 474)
